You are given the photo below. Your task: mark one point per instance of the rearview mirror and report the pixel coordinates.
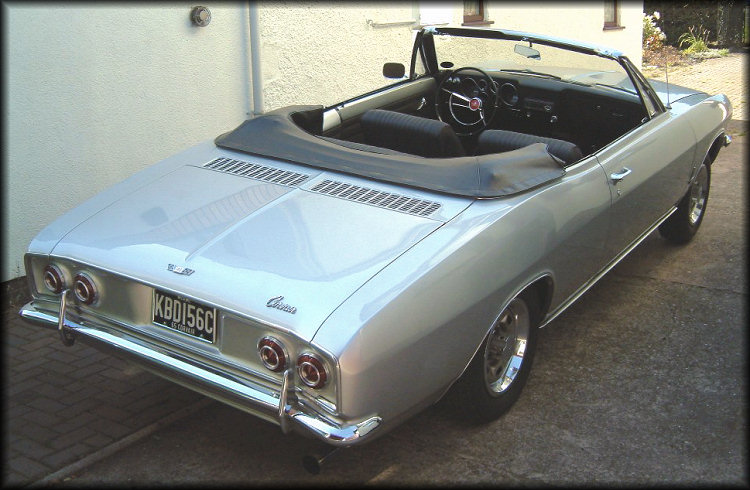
(527, 51)
(394, 70)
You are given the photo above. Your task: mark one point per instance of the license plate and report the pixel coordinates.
(184, 315)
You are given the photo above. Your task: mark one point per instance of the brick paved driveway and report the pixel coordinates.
(727, 75)
(62, 404)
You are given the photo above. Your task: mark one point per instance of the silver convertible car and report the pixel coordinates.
(335, 270)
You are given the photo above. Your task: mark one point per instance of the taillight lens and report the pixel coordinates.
(272, 354)
(311, 371)
(53, 279)
(84, 289)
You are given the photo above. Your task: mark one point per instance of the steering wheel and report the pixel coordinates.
(471, 105)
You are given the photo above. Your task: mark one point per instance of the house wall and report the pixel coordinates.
(582, 21)
(96, 93)
(318, 55)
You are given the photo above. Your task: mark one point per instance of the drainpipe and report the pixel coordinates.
(256, 72)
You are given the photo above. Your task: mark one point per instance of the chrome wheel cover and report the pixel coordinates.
(506, 346)
(698, 195)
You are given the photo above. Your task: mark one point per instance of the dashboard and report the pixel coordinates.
(588, 116)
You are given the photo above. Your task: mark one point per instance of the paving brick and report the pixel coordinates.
(26, 430)
(71, 438)
(99, 440)
(32, 449)
(41, 418)
(74, 422)
(31, 373)
(46, 404)
(68, 455)
(110, 428)
(26, 469)
(36, 344)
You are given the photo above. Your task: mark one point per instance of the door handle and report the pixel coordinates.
(618, 176)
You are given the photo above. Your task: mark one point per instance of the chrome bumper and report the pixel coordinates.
(270, 405)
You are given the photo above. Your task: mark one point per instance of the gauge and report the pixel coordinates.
(509, 94)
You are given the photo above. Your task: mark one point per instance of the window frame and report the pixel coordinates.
(476, 19)
(615, 23)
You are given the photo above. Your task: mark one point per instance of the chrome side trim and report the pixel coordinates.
(572, 298)
(224, 386)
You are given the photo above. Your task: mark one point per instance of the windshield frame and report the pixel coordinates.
(643, 89)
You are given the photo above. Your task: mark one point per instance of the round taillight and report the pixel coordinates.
(272, 354)
(311, 371)
(84, 289)
(53, 279)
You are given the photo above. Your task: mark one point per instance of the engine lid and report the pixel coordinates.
(287, 254)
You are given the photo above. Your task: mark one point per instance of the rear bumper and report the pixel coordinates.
(280, 407)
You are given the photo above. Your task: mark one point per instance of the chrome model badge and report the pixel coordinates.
(180, 270)
(276, 303)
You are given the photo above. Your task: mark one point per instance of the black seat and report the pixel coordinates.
(497, 141)
(411, 134)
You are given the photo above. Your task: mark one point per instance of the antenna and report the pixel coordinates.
(666, 76)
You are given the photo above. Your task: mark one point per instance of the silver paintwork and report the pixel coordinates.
(394, 304)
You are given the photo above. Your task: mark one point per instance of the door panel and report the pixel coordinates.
(416, 98)
(648, 172)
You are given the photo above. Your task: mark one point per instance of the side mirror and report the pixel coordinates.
(394, 70)
(527, 51)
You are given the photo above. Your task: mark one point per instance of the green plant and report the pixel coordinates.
(653, 37)
(696, 39)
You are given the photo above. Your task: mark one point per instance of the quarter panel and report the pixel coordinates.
(409, 332)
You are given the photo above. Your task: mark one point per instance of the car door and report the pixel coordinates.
(647, 173)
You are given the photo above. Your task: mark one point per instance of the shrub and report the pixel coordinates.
(696, 39)
(653, 37)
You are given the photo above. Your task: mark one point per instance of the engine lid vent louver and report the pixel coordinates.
(388, 200)
(258, 172)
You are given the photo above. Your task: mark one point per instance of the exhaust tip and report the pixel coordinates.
(312, 464)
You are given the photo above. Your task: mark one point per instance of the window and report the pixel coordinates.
(611, 14)
(474, 13)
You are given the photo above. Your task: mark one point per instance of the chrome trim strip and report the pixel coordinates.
(572, 298)
(194, 373)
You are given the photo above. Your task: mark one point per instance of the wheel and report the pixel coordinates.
(684, 223)
(494, 379)
(471, 104)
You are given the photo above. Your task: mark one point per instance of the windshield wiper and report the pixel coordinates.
(534, 73)
(615, 87)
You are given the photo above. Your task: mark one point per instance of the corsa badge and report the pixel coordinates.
(180, 270)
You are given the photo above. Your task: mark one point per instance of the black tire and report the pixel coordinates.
(482, 398)
(684, 223)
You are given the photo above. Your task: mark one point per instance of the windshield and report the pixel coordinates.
(533, 59)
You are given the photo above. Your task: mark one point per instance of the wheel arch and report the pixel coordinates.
(713, 150)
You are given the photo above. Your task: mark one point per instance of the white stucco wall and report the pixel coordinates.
(325, 53)
(96, 93)
(583, 21)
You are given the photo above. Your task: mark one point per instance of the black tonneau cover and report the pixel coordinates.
(276, 135)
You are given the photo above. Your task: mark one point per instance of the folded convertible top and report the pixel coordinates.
(278, 135)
